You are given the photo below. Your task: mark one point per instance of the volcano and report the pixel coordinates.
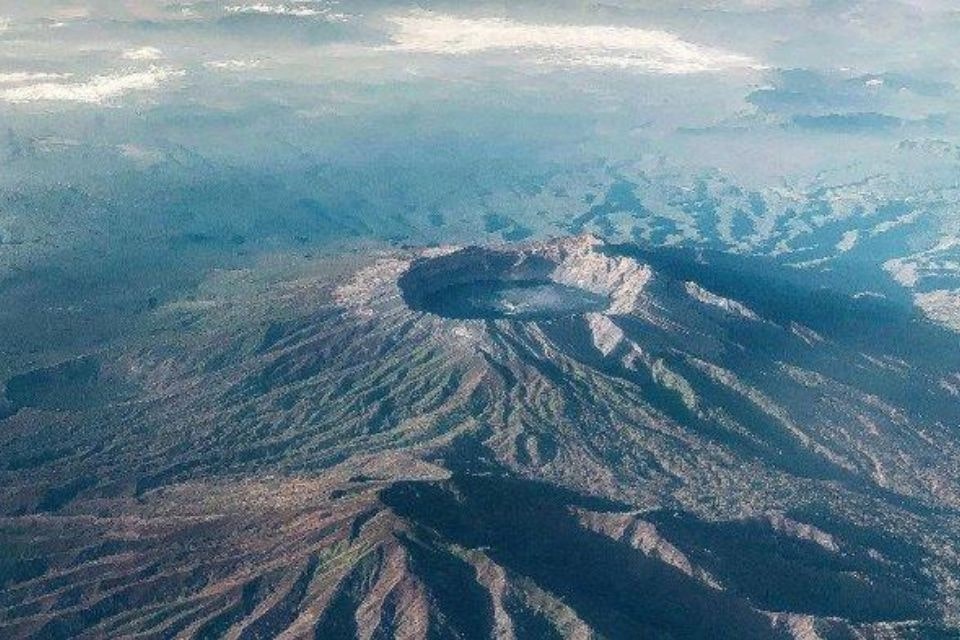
(558, 439)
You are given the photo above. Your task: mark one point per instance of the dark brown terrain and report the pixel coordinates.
(557, 440)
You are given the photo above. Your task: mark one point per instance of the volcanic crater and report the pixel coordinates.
(531, 282)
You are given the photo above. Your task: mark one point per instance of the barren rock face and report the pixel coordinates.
(557, 439)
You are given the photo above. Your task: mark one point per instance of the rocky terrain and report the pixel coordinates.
(561, 439)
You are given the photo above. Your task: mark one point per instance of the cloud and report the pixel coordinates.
(941, 306)
(95, 90)
(18, 77)
(561, 44)
(232, 65)
(143, 53)
(297, 11)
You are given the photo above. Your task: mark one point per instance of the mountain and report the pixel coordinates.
(564, 438)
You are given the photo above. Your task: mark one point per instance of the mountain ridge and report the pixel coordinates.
(328, 457)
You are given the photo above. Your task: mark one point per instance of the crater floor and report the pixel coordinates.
(520, 299)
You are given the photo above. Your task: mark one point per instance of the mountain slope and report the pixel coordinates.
(558, 439)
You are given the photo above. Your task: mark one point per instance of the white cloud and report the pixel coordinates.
(72, 12)
(95, 90)
(298, 11)
(18, 77)
(232, 65)
(562, 44)
(941, 306)
(143, 53)
(848, 241)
